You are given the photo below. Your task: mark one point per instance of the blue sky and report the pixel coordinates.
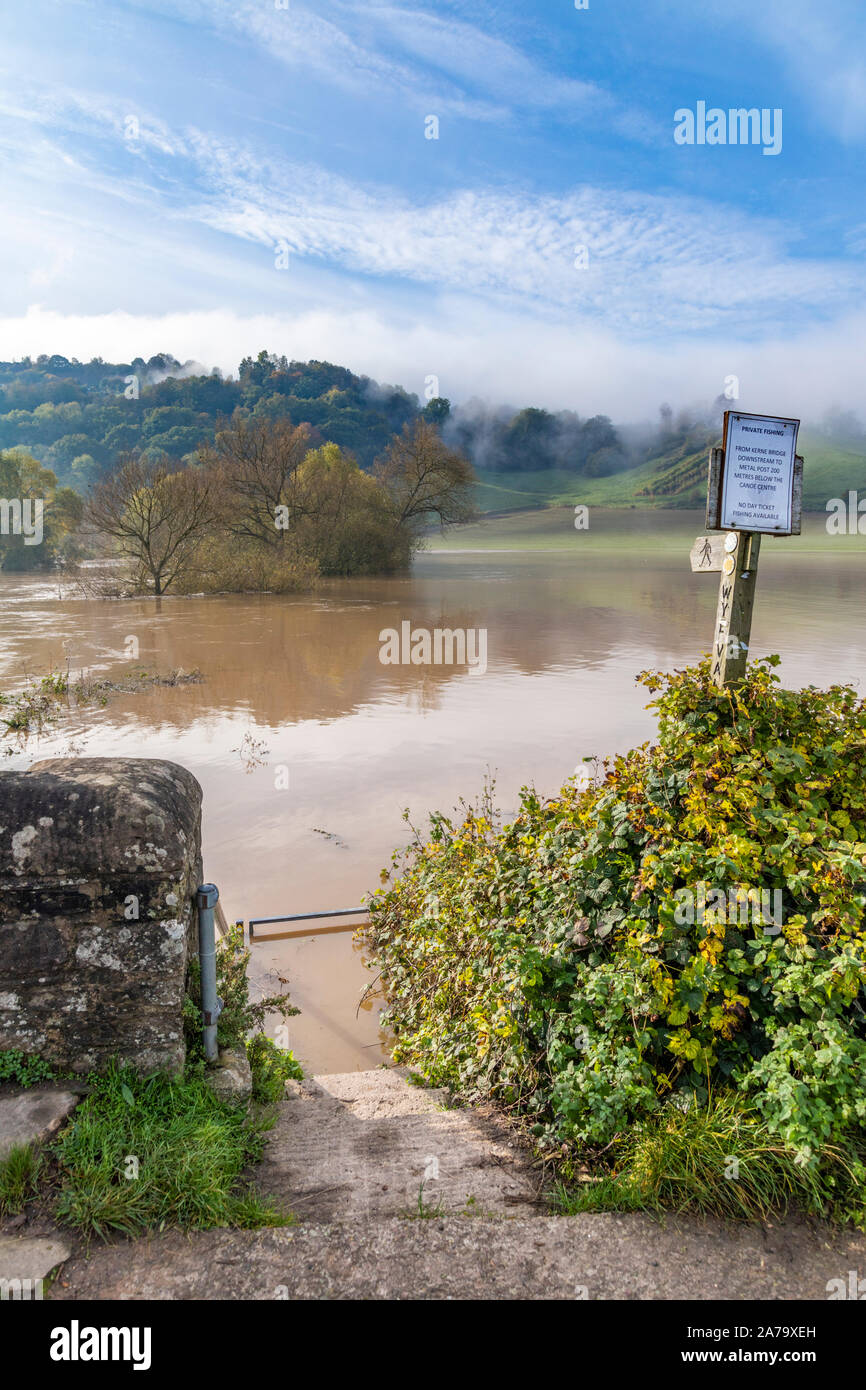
(156, 156)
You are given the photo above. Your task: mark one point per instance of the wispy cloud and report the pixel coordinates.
(552, 237)
(72, 111)
(635, 262)
(426, 58)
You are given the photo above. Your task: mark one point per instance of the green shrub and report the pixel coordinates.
(719, 1160)
(550, 964)
(271, 1068)
(240, 1018)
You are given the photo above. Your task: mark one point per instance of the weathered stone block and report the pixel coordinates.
(99, 862)
(231, 1079)
(32, 1118)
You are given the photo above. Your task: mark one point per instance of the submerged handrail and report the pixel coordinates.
(305, 917)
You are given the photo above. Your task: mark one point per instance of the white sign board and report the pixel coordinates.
(758, 481)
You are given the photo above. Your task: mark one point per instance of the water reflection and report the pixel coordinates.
(342, 744)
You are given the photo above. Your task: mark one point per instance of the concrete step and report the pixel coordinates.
(362, 1145)
(593, 1256)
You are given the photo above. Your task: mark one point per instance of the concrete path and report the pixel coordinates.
(368, 1145)
(562, 1257)
(349, 1156)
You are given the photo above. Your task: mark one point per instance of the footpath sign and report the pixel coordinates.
(708, 553)
(755, 488)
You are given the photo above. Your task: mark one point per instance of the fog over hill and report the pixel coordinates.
(77, 418)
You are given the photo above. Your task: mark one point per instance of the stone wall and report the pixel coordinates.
(99, 862)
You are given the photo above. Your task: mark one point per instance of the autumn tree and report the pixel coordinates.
(39, 521)
(425, 479)
(156, 516)
(253, 464)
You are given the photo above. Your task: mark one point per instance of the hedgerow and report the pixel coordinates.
(546, 964)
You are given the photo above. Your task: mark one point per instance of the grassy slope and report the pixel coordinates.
(677, 481)
(640, 530)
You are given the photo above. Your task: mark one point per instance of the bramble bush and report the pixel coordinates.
(543, 964)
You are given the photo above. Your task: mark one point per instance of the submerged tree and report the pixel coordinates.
(156, 516)
(425, 479)
(345, 519)
(253, 464)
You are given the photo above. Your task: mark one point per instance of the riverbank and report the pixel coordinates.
(643, 531)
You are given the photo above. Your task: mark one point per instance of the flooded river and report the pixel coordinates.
(308, 748)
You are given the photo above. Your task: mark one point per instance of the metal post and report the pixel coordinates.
(734, 613)
(207, 896)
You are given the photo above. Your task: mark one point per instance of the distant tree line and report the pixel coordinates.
(532, 439)
(77, 419)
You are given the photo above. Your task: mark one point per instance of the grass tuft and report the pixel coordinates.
(141, 1154)
(719, 1161)
(20, 1172)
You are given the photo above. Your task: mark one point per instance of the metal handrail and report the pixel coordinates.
(307, 917)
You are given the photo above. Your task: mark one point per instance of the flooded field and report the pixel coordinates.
(309, 748)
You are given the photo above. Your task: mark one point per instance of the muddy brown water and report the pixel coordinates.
(295, 692)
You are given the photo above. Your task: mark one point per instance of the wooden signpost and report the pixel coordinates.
(755, 488)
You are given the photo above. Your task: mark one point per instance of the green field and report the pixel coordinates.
(679, 482)
(650, 530)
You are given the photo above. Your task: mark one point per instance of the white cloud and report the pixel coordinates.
(661, 264)
(501, 356)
